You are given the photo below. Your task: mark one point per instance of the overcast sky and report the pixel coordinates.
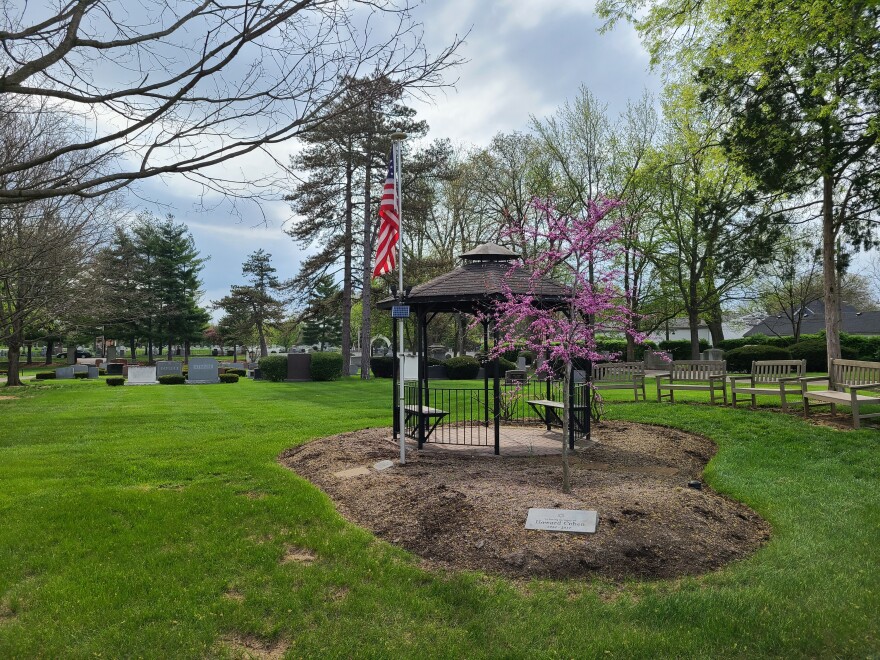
(525, 57)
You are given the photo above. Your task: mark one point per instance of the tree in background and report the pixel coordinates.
(256, 303)
(322, 322)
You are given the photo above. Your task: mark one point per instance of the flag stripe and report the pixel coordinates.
(389, 227)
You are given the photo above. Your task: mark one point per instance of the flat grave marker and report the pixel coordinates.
(562, 520)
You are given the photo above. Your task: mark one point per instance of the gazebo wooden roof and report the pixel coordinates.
(478, 282)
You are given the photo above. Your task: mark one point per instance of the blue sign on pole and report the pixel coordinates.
(400, 312)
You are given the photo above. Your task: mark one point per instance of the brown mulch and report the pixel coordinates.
(464, 511)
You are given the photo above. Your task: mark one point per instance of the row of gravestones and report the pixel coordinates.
(202, 371)
(66, 373)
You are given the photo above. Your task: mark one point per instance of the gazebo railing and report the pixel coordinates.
(462, 415)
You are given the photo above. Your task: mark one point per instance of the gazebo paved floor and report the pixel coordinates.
(515, 441)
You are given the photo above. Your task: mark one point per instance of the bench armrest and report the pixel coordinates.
(785, 379)
(863, 387)
(717, 376)
(812, 379)
(665, 374)
(740, 377)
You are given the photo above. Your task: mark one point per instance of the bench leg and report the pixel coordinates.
(754, 402)
(855, 411)
(784, 402)
(834, 409)
(806, 407)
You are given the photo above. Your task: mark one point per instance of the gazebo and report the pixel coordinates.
(465, 415)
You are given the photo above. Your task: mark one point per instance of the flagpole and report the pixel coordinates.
(396, 139)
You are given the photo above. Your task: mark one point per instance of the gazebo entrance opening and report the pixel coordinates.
(456, 414)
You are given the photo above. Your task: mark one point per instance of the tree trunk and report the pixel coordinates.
(170, 350)
(829, 271)
(13, 377)
(694, 323)
(264, 348)
(133, 347)
(30, 353)
(186, 349)
(49, 348)
(366, 289)
(235, 352)
(347, 268)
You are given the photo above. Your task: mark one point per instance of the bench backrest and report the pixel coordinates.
(697, 369)
(854, 372)
(770, 371)
(617, 372)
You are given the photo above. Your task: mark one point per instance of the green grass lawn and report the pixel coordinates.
(129, 515)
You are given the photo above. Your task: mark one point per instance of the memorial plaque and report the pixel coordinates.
(94, 372)
(203, 371)
(169, 368)
(64, 373)
(114, 369)
(383, 465)
(141, 376)
(299, 367)
(562, 520)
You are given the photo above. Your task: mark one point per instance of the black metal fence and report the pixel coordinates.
(466, 415)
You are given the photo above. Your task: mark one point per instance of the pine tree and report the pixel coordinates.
(323, 320)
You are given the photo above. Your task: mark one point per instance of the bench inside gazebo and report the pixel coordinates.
(493, 413)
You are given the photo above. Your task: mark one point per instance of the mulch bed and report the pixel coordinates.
(460, 511)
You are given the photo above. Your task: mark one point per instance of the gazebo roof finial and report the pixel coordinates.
(490, 252)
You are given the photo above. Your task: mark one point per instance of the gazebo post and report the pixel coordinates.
(420, 318)
(497, 396)
(485, 373)
(395, 375)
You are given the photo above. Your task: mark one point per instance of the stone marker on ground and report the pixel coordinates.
(141, 376)
(80, 368)
(114, 369)
(562, 520)
(383, 465)
(64, 373)
(353, 472)
(94, 372)
(203, 371)
(111, 353)
(169, 368)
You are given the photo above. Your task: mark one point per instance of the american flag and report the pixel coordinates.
(389, 227)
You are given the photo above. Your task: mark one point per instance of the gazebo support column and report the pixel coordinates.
(422, 375)
(496, 366)
(485, 373)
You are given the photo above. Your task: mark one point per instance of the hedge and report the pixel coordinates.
(618, 346)
(172, 379)
(45, 375)
(462, 367)
(326, 366)
(229, 378)
(382, 367)
(81, 374)
(681, 348)
(237, 372)
(740, 359)
(115, 381)
(274, 367)
(815, 352)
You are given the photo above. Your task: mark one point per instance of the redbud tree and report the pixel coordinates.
(593, 306)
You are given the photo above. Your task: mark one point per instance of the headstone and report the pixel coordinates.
(141, 376)
(712, 354)
(115, 369)
(562, 520)
(203, 371)
(299, 367)
(94, 372)
(169, 368)
(383, 465)
(521, 363)
(64, 373)
(354, 369)
(80, 368)
(71, 354)
(258, 374)
(111, 353)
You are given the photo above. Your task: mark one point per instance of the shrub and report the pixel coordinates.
(273, 367)
(45, 375)
(740, 359)
(511, 355)
(115, 381)
(505, 365)
(815, 352)
(681, 348)
(618, 346)
(382, 367)
(434, 362)
(462, 368)
(229, 378)
(326, 366)
(102, 372)
(237, 372)
(172, 379)
(81, 374)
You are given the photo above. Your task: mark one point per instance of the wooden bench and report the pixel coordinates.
(770, 377)
(855, 376)
(432, 415)
(550, 416)
(620, 376)
(701, 375)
